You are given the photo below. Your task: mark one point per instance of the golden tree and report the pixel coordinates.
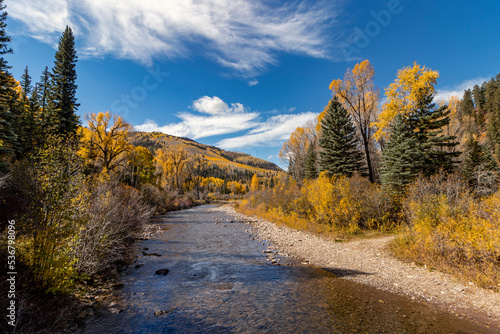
(105, 140)
(294, 150)
(360, 97)
(255, 184)
(177, 160)
(412, 86)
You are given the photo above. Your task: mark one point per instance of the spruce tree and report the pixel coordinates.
(8, 138)
(428, 123)
(311, 172)
(403, 157)
(467, 104)
(493, 130)
(338, 141)
(62, 97)
(478, 93)
(478, 166)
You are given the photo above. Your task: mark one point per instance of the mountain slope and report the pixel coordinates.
(215, 155)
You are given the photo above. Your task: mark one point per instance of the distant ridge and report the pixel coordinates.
(222, 158)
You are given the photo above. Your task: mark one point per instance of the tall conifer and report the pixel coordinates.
(311, 172)
(62, 98)
(338, 141)
(403, 157)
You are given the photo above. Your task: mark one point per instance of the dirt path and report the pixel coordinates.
(368, 262)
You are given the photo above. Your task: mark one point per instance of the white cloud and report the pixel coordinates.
(445, 94)
(215, 117)
(274, 131)
(215, 106)
(244, 35)
(222, 119)
(253, 82)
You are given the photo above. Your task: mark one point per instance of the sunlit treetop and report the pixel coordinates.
(412, 85)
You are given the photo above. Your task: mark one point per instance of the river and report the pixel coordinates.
(221, 280)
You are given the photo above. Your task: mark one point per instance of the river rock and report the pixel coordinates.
(160, 312)
(150, 254)
(162, 271)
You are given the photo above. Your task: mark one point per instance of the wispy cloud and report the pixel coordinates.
(212, 116)
(244, 35)
(444, 95)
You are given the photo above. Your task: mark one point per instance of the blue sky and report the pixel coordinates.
(244, 74)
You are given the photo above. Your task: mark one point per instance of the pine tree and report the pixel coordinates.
(478, 93)
(311, 172)
(403, 157)
(428, 123)
(493, 131)
(467, 104)
(479, 166)
(8, 138)
(62, 97)
(338, 141)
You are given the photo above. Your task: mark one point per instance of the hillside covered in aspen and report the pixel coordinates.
(215, 155)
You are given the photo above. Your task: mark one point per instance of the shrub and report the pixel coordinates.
(329, 203)
(113, 214)
(451, 229)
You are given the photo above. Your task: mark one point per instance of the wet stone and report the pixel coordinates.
(163, 272)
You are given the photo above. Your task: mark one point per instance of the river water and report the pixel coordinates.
(220, 281)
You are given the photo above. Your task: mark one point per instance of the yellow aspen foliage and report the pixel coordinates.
(235, 187)
(255, 184)
(413, 84)
(332, 201)
(104, 141)
(213, 184)
(453, 230)
(294, 150)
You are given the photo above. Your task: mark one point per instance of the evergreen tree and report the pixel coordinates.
(493, 130)
(428, 123)
(26, 84)
(271, 182)
(62, 97)
(479, 166)
(478, 93)
(403, 157)
(311, 172)
(8, 138)
(44, 89)
(467, 104)
(338, 141)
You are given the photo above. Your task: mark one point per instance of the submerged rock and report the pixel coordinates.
(162, 271)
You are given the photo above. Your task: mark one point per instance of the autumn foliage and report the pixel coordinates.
(452, 230)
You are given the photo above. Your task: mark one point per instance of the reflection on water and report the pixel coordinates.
(221, 282)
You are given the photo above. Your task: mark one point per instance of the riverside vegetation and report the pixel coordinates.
(428, 173)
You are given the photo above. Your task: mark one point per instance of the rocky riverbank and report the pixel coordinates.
(368, 261)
